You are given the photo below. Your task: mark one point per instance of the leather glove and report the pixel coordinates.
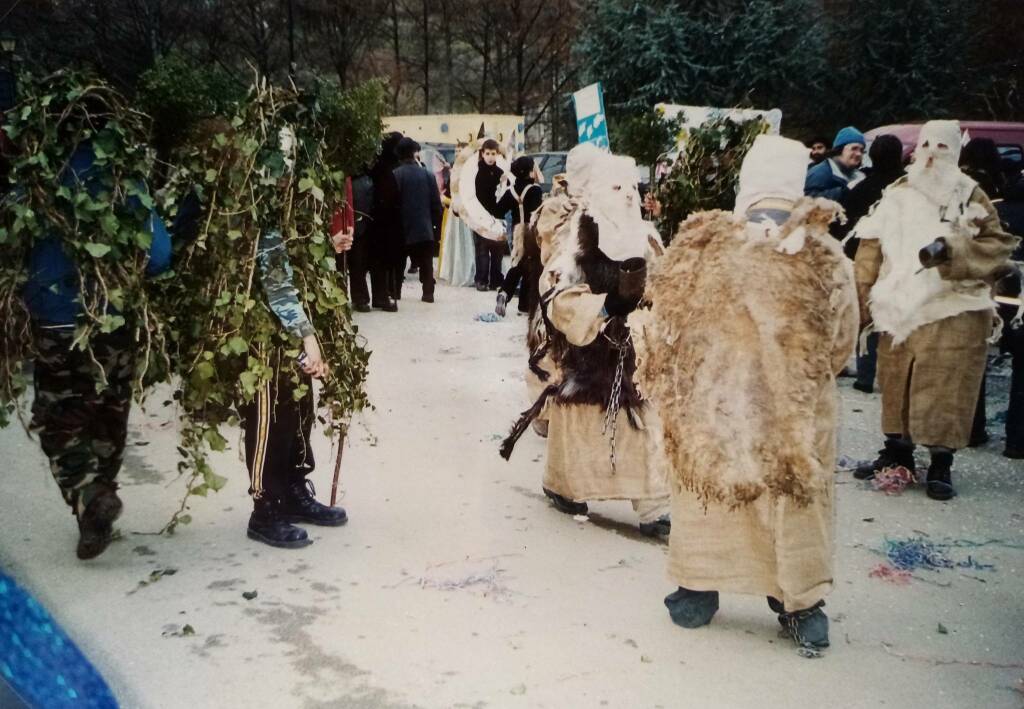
(934, 254)
(632, 282)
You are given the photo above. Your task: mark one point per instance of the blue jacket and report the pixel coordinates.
(828, 180)
(51, 292)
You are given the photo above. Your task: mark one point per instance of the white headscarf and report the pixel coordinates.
(774, 168)
(606, 184)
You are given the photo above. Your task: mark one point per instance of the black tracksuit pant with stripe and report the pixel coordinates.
(277, 429)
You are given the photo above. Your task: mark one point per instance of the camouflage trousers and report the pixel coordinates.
(82, 425)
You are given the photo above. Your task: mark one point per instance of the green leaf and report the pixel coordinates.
(238, 345)
(110, 323)
(216, 441)
(97, 250)
(205, 370)
(248, 381)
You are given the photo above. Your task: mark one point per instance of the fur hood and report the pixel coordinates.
(748, 327)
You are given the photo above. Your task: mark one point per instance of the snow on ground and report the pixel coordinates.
(455, 584)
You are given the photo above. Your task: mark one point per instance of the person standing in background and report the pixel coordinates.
(420, 208)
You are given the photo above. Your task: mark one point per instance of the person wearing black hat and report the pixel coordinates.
(523, 198)
(385, 233)
(420, 208)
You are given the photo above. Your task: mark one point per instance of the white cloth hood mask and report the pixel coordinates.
(607, 186)
(774, 168)
(935, 170)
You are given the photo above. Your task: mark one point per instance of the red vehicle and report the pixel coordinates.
(1008, 137)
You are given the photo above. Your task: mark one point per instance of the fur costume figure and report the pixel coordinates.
(464, 197)
(602, 441)
(934, 321)
(754, 313)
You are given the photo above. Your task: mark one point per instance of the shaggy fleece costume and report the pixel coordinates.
(750, 324)
(584, 236)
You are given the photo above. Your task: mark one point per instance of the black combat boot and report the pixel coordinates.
(267, 524)
(300, 505)
(896, 452)
(808, 628)
(940, 476)
(660, 527)
(692, 609)
(388, 305)
(96, 523)
(564, 504)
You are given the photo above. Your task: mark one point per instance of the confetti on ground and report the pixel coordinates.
(487, 317)
(893, 481)
(919, 553)
(890, 574)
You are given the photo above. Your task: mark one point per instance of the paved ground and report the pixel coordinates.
(455, 584)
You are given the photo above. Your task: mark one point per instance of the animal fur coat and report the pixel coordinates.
(743, 342)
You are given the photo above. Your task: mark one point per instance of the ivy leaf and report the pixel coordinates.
(205, 370)
(248, 381)
(97, 250)
(238, 345)
(216, 441)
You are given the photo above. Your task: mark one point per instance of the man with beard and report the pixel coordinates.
(754, 312)
(602, 442)
(928, 256)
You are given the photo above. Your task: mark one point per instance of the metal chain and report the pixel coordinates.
(615, 402)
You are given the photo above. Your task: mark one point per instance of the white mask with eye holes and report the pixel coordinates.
(286, 141)
(935, 172)
(613, 200)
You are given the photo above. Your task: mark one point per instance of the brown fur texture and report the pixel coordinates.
(741, 343)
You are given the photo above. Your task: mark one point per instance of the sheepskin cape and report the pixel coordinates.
(748, 329)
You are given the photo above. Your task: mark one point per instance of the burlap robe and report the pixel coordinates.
(770, 547)
(930, 381)
(736, 321)
(578, 461)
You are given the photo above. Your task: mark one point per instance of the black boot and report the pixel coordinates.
(564, 504)
(660, 527)
(692, 609)
(388, 305)
(96, 523)
(808, 628)
(267, 524)
(896, 452)
(300, 505)
(940, 476)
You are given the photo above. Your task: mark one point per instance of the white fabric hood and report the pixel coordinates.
(606, 185)
(774, 168)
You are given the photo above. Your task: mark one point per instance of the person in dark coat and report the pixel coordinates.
(522, 199)
(488, 252)
(363, 260)
(420, 206)
(886, 167)
(981, 161)
(387, 243)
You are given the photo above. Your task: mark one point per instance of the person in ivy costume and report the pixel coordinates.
(79, 414)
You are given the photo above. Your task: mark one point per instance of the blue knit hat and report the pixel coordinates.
(846, 136)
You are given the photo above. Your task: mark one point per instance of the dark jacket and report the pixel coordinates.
(387, 247)
(51, 291)
(859, 201)
(362, 203)
(487, 179)
(531, 197)
(420, 203)
(827, 179)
